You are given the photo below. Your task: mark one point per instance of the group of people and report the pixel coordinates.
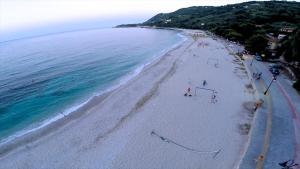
(204, 83)
(214, 98)
(257, 76)
(288, 164)
(188, 92)
(202, 44)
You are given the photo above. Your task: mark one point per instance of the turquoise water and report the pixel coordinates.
(43, 76)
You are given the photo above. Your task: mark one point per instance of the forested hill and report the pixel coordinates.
(237, 21)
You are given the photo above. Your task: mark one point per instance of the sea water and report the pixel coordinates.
(46, 76)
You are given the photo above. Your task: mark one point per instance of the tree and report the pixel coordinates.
(297, 85)
(233, 35)
(292, 52)
(256, 44)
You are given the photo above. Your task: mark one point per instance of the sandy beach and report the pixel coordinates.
(149, 123)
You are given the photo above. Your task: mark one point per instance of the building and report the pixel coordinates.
(287, 29)
(273, 44)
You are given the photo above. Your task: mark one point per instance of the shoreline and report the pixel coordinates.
(74, 112)
(116, 131)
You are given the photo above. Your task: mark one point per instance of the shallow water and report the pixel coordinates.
(43, 76)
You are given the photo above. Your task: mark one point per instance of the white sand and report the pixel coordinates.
(116, 133)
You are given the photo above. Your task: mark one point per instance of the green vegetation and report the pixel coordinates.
(256, 43)
(127, 25)
(246, 22)
(236, 22)
(297, 85)
(291, 47)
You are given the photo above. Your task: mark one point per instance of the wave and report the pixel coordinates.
(121, 82)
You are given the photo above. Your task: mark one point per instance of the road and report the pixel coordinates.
(276, 130)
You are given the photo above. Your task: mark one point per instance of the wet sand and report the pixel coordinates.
(149, 123)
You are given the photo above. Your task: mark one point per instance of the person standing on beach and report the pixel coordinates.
(189, 91)
(204, 82)
(213, 98)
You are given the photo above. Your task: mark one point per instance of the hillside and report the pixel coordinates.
(237, 21)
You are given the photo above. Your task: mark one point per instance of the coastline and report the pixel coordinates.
(116, 130)
(75, 111)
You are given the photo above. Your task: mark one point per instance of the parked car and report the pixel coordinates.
(258, 58)
(274, 71)
(276, 66)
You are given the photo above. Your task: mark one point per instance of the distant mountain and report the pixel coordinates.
(237, 21)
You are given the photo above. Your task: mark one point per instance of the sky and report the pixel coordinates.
(27, 13)
(17, 16)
